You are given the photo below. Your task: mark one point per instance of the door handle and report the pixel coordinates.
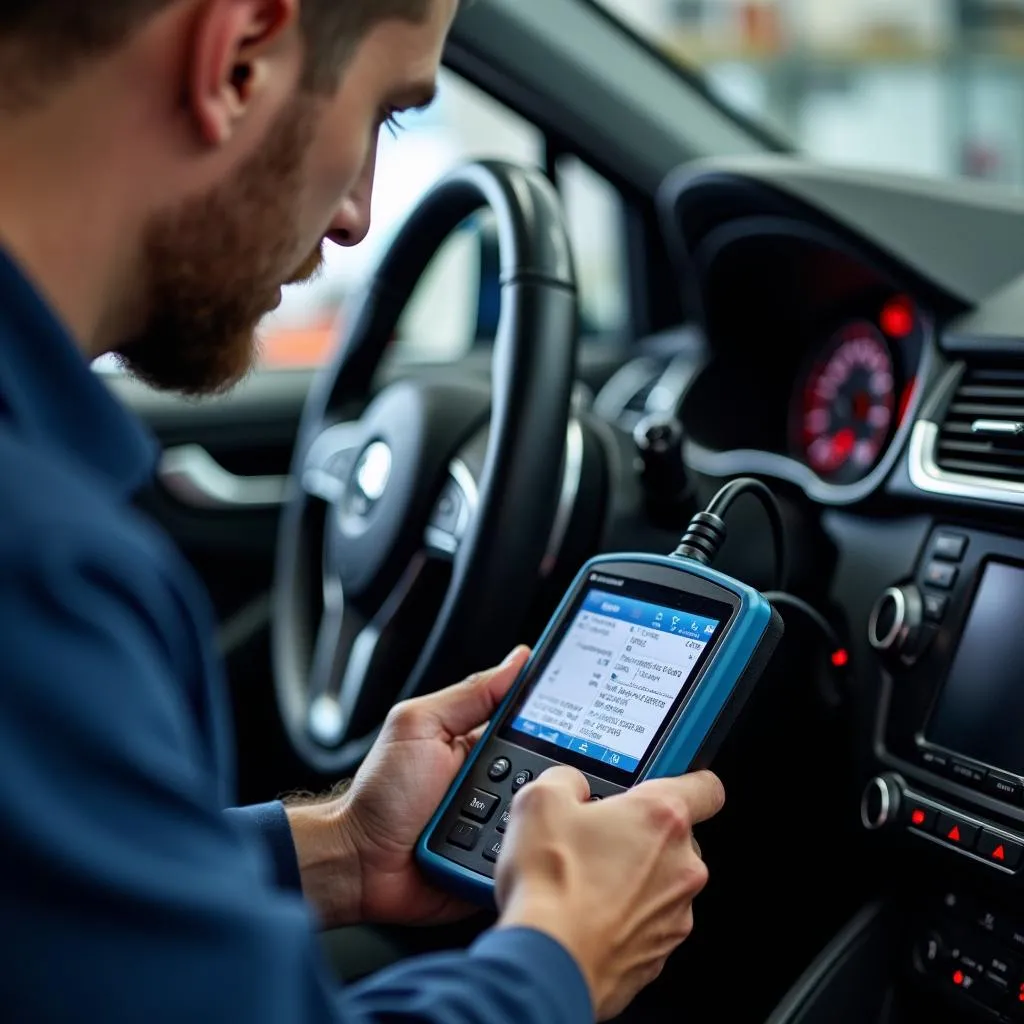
(193, 476)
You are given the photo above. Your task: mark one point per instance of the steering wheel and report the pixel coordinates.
(412, 539)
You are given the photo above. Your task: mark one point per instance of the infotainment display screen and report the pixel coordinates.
(980, 709)
(622, 668)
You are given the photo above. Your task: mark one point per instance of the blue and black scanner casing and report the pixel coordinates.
(460, 846)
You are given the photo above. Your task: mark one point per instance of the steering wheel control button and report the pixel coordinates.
(880, 803)
(493, 849)
(499, 769)
(464, 835)
(504, 818)
(921, 817)
(448, 512)
(941, 575)
(480, 805)
(956, 831)
(935, 607)
(999, 849)
(520, 779)
(1004, 787)
(949, 547)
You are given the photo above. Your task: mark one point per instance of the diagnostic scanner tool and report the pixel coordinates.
(639, 675)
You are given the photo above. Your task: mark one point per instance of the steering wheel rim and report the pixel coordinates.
(504, 527)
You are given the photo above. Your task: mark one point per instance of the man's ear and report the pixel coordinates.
(236, 49)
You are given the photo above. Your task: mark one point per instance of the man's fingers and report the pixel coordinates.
(701, 792)
(464, 707)
(566, 779)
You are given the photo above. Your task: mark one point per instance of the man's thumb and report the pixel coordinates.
(461, 708)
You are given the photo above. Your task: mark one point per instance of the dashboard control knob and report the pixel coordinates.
(896, 625)
(880, 803)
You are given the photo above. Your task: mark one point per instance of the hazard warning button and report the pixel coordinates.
(956, 831)
(999, 849)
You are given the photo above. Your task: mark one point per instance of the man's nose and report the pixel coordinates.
(351, 223)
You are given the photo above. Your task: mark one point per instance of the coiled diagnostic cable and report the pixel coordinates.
(706, 534)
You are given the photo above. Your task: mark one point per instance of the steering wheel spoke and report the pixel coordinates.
(329, 461)
(359, 664)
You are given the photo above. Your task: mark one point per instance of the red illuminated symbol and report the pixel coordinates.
(917, 816)
(897, 318)
(954, 834)
(1020, 993)
(999, 853)
(840, 658)
(958, 979)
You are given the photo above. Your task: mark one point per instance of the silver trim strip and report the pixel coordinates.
(885, 643)
(197, 479)
(572, 477)
(998, 428)
(926, 475)
(884, 809)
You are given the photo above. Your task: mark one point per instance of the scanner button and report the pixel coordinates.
(464, 835)
(493, 849)
(520, 779)
(480, 805)
(500, 767)
(504, 818)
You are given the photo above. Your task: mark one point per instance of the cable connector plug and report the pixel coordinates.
(706, 532)
(703, 538)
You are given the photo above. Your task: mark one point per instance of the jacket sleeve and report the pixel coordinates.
(269, 823)
(130, 894)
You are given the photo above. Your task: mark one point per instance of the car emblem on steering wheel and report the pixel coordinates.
(373, 470)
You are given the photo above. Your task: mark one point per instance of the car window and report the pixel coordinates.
(450, 311)
(918, 86)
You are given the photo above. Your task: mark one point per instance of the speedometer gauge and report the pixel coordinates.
(847, 408)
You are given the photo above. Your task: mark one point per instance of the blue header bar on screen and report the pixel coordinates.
(650, 616)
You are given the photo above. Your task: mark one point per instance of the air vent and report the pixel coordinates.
(983, 432)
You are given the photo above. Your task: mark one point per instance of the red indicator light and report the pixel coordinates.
(897, 318)
(958, 977)
(917, 816)
(840, 658)
(954, 834)
(999, 853)
(1020, 993)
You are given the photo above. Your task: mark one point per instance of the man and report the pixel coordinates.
(166, 166)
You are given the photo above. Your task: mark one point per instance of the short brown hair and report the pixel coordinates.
(42, 42)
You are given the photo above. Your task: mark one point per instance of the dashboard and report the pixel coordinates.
(869, 364)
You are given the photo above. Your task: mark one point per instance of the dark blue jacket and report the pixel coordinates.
(127, 893)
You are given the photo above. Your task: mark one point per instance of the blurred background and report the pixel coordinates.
(932, 87)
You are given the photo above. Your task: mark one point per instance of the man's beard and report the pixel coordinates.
(214, 266)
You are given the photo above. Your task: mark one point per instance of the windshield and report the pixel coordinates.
(932, 87)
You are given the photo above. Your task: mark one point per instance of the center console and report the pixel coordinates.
(949, 740)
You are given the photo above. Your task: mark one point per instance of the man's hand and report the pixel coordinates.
(613, 881)
(356, 851)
